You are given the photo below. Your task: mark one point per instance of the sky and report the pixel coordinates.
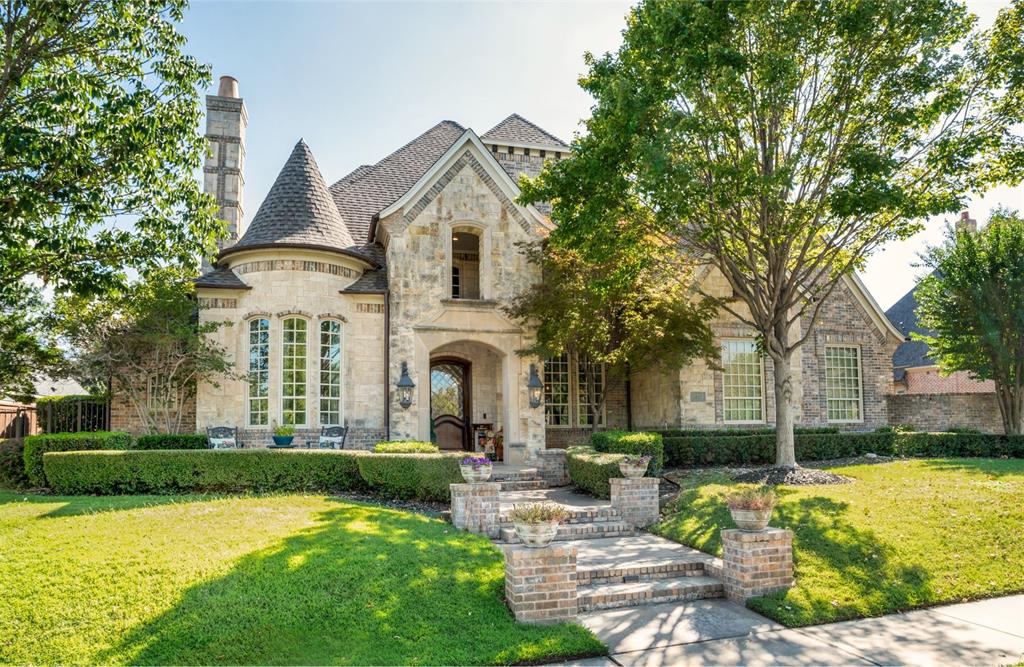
(358, 80)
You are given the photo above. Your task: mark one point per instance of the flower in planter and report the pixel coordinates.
(752, 499)
(546, 512)
(475, 461)
(638, 460)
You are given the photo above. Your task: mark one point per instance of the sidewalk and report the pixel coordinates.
(716, 632)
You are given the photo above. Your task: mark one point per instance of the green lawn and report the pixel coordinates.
(253, 580)
(905, 534)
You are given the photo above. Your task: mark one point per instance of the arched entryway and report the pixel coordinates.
(451, 405)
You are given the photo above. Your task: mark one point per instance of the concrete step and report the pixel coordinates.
(681, 589)
(519, 474)
(576, 531)
(523, 485)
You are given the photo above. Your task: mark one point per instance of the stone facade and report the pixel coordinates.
(475, 507)
(540, 583)
(636, 499)
(756, 563)
(940, 412)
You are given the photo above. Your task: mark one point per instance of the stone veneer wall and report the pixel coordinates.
(939, 412)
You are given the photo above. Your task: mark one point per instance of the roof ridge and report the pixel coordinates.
(523, 119)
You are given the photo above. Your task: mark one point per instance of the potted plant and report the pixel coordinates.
(475, 469)
(537, 523)
(751, 508)
(634, 467)
(283, 435)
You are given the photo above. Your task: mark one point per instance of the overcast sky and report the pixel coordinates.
(358, 80)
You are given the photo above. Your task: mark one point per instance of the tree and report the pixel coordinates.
(783, 142)
(620, 315)
(25, 341)
(99, 110)
(973, 302)
(148, 343)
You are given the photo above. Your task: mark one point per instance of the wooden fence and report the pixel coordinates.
(18, 420)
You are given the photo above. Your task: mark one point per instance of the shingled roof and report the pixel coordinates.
(913, 353)
(517, 130)
(298, 210)
(221, 279)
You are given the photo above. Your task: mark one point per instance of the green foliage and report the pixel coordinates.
(283, 430)
(422, 476)
(683, 433)
(171, 441)
(590, 470)
(405, 447)
(38, 445)
(752, 498)
(637, 443)
(99, 111)
(27, 345)
(973, 302)
(60, 414)
(12, 464)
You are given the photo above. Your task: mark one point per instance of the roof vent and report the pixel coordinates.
(228, 87)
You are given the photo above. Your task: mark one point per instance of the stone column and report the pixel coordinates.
(636, 500)
(475, 507)
(756, 563)
(540, 584)
(551, 467)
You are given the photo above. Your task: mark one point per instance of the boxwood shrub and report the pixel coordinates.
(636, 443)
(421, 476)
(406, 447)
(12, 464)
(171, 441)
(590, 469)
(37, 445)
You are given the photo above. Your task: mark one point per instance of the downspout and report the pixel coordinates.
(387, 364)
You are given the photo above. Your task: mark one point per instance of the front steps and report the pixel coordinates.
(654, 591)
(518, 479)
(575, 531)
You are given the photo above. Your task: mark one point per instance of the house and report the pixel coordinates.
(376, 302)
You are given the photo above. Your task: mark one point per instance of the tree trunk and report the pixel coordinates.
(1011, 408)
(785, 445)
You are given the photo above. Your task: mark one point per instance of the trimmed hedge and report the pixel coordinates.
(37, 445)
(405, 447)
(635, 443)
(736, 432)
(590, 469)
(171, 441)
(421, 476)
(12, 464)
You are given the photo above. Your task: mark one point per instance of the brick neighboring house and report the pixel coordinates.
(922, 396)
(333, 293)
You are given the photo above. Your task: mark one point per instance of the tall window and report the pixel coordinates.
(556, 391)
(742, 381)
(842, 383)
(293, 372)
(330, 373)
(465, 267)
(259, 372)
(596, 372)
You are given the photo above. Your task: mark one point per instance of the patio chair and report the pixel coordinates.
(222, 437)
(331, 437)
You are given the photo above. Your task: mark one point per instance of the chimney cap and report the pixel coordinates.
(228, 87)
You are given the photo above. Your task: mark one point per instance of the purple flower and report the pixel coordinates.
(476, 461)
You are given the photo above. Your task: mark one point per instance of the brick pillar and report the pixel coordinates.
(552, 468)
(636, 500)
(756, 563)
(475, 507)
(540, 584)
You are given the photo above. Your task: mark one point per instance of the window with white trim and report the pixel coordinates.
(566, 399)
(330, 373)
(556, 391)
(293, 372)
(258, 398)
(742, 381)
(842, 383)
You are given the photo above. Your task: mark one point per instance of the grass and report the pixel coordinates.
(253, 580)
(906, 534)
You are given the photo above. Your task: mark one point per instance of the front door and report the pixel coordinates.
(450, 403)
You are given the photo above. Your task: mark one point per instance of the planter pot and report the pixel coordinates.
(633, 471)
(283, 440)
(536, 535)
(475, 474)
(751, 520)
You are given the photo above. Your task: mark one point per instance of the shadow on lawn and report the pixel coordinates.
(365, 586)
(83, 505)
(989, 467)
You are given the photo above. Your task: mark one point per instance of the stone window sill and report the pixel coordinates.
(482, 304)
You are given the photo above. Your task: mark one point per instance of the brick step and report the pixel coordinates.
(523, 485)
(680, 589)
(600, 515)
(524, 474)
(576, 531)
(632, 573)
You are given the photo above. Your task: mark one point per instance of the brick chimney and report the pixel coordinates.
(966, 223)
(226, 120)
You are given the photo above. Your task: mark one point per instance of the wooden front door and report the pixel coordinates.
(450, 403)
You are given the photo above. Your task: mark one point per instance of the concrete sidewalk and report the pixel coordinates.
(716, 632)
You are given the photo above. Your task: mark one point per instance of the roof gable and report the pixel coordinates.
(903, 314)
(518, 131)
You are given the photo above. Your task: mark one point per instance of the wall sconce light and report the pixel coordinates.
(535, 387)
(405, 386)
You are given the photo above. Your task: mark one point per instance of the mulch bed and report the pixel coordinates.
(433, 509)
(791, 477)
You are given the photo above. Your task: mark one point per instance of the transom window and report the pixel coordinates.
(293, 372)
(742, 381)
(330, 373)
(842, 383)
(259, 372)
(566, 398)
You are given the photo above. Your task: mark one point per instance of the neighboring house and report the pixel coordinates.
(925, 398)
(398, 271)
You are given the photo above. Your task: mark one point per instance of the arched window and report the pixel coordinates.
(465, 269)
(330, 373)
(259, 372)
(293, 372)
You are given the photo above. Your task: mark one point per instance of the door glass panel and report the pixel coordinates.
(446, 387)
